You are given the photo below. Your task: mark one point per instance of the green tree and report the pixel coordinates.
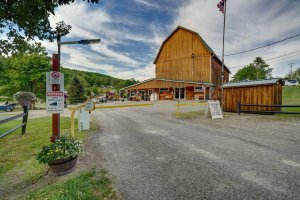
(259, 69)
(25, 72)
(24, 20)
(76, 92)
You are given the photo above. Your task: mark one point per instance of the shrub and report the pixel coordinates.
(63, 148)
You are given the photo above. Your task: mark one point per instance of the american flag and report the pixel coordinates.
(221, 5)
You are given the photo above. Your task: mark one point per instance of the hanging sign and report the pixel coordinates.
(215, 110)
(55, 102)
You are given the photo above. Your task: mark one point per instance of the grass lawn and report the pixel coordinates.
(88, 185)
(18, 167)
(291, 96)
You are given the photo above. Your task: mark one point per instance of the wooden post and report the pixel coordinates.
(55, 87)
(239, 107)
(25, 119)
(177, 109)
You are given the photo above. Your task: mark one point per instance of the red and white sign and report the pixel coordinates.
(55, 94)
(55, 77)
(55, 102)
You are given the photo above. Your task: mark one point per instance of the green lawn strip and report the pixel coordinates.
(291, 96)
(17, 152)
(87, 185)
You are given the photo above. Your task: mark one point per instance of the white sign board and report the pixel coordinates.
(55, 77)
(215, 109)
(49, 82)
(89, 106)
(55, 102)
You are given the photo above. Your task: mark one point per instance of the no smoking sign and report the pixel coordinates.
(55, 77)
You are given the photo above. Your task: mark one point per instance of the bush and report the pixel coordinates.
(63, 148)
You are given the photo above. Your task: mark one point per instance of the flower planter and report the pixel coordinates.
(62, 167)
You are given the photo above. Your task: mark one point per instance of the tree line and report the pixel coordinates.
(26, 71)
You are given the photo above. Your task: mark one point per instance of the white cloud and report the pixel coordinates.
(147, 3)
(93, 23)
(248, 24)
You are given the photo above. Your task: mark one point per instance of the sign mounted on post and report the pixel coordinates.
(55, 102)
(215, 110)
(55, 77)
(50, 80)
(89, 106)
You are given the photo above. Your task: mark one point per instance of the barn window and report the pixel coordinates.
(199, 89)
(132, 93)
(162, 90)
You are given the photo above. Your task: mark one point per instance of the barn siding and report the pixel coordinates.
(175, 59)
(216, 68)
(256, 94)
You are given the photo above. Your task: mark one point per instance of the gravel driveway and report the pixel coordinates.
(152, 155)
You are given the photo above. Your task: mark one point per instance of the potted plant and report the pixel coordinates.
(61, 156)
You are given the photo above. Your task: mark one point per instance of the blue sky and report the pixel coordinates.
(131, 32)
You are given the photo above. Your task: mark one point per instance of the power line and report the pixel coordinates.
(285, 57)
(282, 57)
(260, 47)
(138, 73)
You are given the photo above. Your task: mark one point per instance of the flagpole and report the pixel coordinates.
(222, 89)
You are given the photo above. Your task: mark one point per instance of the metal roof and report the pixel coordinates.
(167, 80)
(250, 83)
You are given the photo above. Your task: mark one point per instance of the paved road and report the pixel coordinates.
(151, 155)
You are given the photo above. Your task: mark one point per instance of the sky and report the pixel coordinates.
(131, 32)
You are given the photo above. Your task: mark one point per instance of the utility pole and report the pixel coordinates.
(222, 89)
(291, 66)
(256, 65)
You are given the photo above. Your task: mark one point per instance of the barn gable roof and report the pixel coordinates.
(252, 83)
(200, 38)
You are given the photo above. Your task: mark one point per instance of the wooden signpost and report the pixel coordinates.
(55, 95)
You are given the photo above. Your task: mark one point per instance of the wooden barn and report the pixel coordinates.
(263, 92)
(186, 68)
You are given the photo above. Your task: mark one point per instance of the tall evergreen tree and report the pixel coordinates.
(76, 91)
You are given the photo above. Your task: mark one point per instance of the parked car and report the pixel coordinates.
(7, 108)
(291, 82)
(102, 99)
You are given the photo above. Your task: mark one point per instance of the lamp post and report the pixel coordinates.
(84, 42)
(56, 87)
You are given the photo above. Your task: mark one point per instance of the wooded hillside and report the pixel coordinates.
(28, 73)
